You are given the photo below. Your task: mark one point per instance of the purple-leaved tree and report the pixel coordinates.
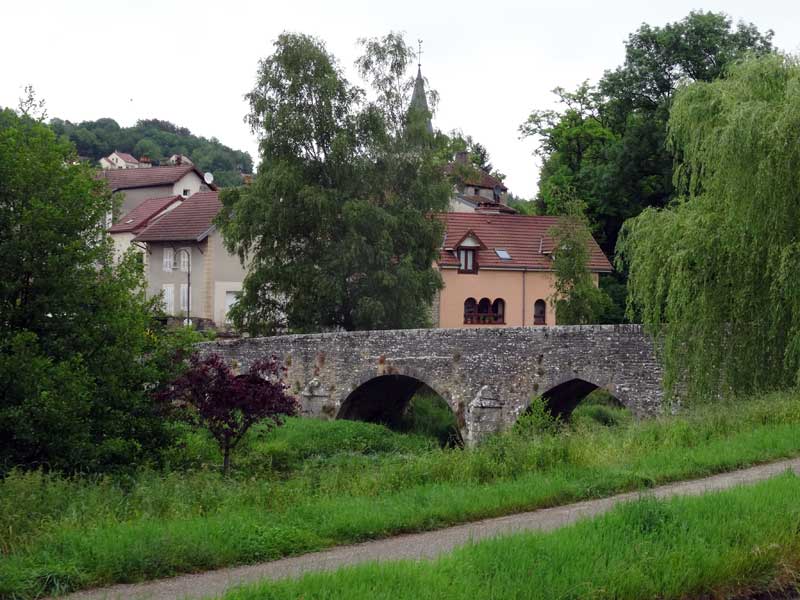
(227, 404)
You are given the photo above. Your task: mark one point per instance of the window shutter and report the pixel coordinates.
(169, 298)
(169, 258)
(184, 297)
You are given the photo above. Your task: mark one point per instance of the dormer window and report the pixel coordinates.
(466, 250)
(467, 259)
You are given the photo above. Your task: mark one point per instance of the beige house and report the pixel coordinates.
(187, 261)
(497, 270)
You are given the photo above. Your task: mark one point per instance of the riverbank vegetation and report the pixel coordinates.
(728, 544)
(314, 484)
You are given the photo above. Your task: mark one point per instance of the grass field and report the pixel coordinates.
(723, 545)
(316, 484)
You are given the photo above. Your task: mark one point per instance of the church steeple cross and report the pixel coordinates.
(419, 53)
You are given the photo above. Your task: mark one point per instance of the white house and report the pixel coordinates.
(120, 160)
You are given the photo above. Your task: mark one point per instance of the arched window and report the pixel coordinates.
(499, 311)
(484, 310)
(539, 312)
(470, 310)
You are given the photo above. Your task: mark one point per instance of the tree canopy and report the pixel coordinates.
(336, 229)
(576, 298)
(158, 140)
(607, 142)
(78, 349)
(211, 394)
(718, 271)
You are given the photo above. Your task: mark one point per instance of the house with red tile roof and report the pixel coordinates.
(497, 270)
(476, 190)
(129, 225)
(187, 262)
(138, 185)
(121, 160)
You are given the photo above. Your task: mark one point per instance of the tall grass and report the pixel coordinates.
(721, 545)
(61, 534)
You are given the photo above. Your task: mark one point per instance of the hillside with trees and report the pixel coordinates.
(157, 140)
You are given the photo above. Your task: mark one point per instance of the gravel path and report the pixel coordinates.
(418, 545)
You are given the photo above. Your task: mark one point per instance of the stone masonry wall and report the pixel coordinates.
(487, 376)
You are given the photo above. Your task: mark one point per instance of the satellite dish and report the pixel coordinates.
(208, 178)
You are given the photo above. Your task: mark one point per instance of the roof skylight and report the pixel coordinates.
(502, 254)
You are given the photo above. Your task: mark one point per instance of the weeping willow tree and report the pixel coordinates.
(717, 274)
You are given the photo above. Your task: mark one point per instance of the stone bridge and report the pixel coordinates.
(487, 376)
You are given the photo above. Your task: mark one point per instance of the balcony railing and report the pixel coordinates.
(484, 319)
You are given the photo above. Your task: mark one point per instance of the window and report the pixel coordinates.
(477, 192)
(484, 312)
(484, 307)
(186, 192)
(539, 312)
(168, 291)
(502, 254)
(499, 311)
(467, 261)
(470, 311)
(185, 258)
(169, 259)
(184, 297)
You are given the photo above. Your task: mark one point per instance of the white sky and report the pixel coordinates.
(192, 62)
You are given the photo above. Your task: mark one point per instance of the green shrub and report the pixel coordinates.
(601, 397)
(286, 448)
(300, 439)
(537, 419)
(430, 416)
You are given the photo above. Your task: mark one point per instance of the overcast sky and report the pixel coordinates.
(192, 62)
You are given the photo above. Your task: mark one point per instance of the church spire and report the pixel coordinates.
(419, 100)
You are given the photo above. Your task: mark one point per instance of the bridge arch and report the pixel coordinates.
(379, 399)
(564, 397)
(393, 390)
